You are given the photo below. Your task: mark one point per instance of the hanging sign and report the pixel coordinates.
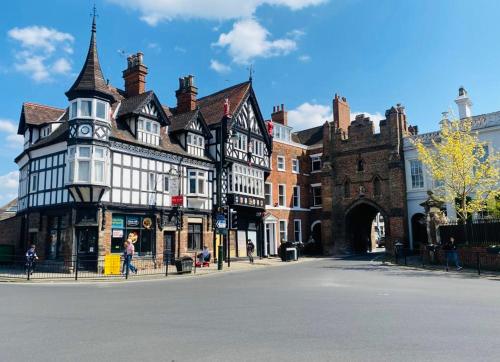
(178, 200)
(146, 222)
(173, 185)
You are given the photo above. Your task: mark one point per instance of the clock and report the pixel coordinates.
(85, 130)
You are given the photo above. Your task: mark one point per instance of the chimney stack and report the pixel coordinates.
(279, 115)
(341, 114)
(186, 94)
(135, 75)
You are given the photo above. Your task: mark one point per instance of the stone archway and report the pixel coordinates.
(418, 230)
(359, 223)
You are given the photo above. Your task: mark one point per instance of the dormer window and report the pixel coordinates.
(89, 108)
(148, 131)
(195, 144)
(45, 131)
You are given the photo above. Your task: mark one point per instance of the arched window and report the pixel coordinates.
(377, 187)
(347, 189)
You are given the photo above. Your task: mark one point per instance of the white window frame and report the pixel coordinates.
(80, 158)
(247, 180)
(295, 165)
(34, 182)
(417, 176)
(270, 193)
(151, 181)
(314, 158)
(74, 159)
(241, 142)
(93, 111)
(278, 158)
(314, 187)
(295, 221)
(296, 197)
(284, 232)
(280, 196)
(98, 160)
(198, 176)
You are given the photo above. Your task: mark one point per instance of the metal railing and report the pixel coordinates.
(477, 232)
(84, 267)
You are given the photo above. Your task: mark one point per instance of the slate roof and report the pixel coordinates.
(91, 80)
(134, 104)
(180, 121)
(309, 137)
(38, 114)
(212, 106)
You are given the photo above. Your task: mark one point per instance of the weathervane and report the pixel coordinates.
(250, 72)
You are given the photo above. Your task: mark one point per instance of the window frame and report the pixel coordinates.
(417, 176)
(315, 159)
(278, 158)
(192, 234)
(299, 240)
(314, 195)
(270, 184)
(283, 234)
(296, 197)
(93, 109)
(199, 176)
(282, 196)
(295, 165)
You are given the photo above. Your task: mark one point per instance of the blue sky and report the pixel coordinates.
(375, 53)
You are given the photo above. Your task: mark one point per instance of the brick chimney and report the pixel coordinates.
(279, 115)
(135, 75)
(341, 113)
(186, 94)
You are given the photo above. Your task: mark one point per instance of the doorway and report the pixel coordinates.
(86, 238)
(169, 247)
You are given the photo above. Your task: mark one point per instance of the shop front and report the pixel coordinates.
(140, 229)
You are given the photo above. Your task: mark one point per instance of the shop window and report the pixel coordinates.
(140, 229)
(195, 237)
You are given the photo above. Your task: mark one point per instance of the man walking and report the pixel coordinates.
(450, 248)
(250, 249)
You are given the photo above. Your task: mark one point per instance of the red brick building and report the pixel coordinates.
(292, 192)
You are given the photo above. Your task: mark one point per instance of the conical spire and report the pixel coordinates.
(90, 81)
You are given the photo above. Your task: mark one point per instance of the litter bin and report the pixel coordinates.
(184, 265)
(290, 254)
(432, 249)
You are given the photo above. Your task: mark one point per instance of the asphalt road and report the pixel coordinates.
(323, 310)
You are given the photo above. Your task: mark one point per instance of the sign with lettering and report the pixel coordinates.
(133, 221)
(178, 200)
(118, 222)
(117, 233)
(173, 185)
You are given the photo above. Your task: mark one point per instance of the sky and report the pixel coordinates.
(375, 53)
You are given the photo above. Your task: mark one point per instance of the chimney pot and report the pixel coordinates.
(186, 94)
(135, 75)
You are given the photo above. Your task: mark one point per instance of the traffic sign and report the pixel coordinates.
(220, 221)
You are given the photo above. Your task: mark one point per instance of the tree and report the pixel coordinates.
(465, 171)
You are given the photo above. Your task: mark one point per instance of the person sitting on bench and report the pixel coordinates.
(204, 256)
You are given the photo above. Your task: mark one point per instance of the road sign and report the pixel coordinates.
(178, 200)
(220, 221)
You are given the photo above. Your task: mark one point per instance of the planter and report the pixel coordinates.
(184, 265)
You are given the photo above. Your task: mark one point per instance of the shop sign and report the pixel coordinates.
(117, 222)
(178, 200)
(132, 221)
(147, 222)
(173, 185)
(117, 233)
(86, 217)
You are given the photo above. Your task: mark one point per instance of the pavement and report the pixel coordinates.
(352, 309)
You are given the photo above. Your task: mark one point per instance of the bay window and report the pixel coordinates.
(246, 180)
(87, 164)
(89, 108)
(197, 180)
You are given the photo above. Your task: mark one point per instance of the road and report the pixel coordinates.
(322, 310)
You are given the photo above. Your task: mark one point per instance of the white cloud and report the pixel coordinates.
(61, 66)
(38, 47)
(305, 58)
(309, 115)
(154, 11)
(179, 49)
(248, 39)
(9, 184)
(374, 117)
(219, 67)
(9, 129)
(296, 34)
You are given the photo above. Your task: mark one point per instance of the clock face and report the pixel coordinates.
(85, 130)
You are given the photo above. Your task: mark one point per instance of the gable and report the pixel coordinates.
(195, 125)
(150, 109)
(247, 119)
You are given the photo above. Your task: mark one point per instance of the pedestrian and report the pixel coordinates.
(31, 258)
(250, 250)
(129, 254)
(124, 265)
(450, 248)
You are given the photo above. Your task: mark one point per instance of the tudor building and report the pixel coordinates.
(116, 162)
